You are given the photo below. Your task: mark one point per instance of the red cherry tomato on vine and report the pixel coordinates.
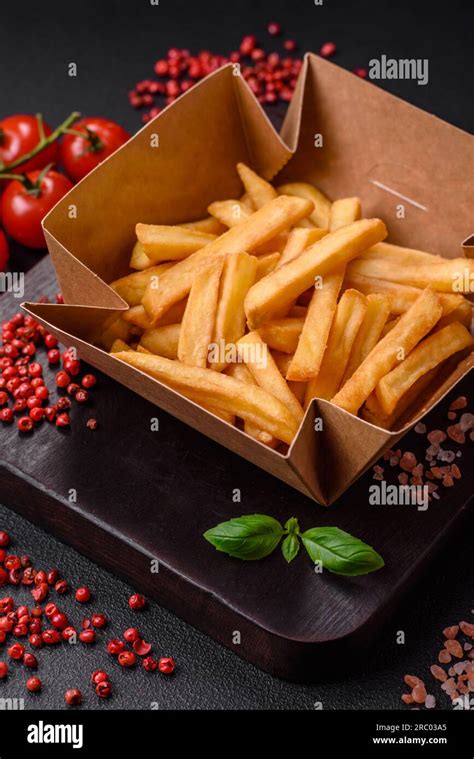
(24, 207)
(3, 252)
(20, 134)
(80, 154)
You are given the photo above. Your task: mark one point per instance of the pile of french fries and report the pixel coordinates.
(283, 296)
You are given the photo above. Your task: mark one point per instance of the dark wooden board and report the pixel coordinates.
(144, 495)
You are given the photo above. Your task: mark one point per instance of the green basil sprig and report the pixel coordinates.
(255, 536)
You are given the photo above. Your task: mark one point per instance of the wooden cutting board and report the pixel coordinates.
(126, 496)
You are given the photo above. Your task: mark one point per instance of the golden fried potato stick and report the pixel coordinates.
(210, 225)
(315, 333)
(463, 314)
(298, 240)
(163, 341)
(298, 312)
(282, 334)
(389, 326)
(266, 264)
(132, 287)
(199, 317)
(265, 372)
(167, 243)
(447, 276)
(344, 211)
(141, 349)
(119, 345)
(283, 360)
(139, 259)
(428, 353)
(238, 276)
(372, 412)
(284, 285)
(378, 310)
(258, 189)
(413, 326)
(402, 297)
(220, 391)
(322, 205)
(137, 316)
(230, 212)
(350, 313)
(400, 255)
(240, 372)
(262, 225)
(114, 328)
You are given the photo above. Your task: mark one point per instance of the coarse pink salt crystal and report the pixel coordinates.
(459, 667)
(407, 698)
(436, 436)
(451, 632)
(403, 478)
(419, 693)
(455, 433)
(412, 680)
(451, 416)
(455, 471)
(420, 428)
(430, 701)
(460, 402)
(444, 657)
(438, 673)
(417, 470)
(408, 461)
(466, 422)
(467, 629)
(467, 646)
(454, 647)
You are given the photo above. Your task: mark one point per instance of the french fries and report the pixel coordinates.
(220, 391)
(447, 276)
(322, 206)
(258, 189)
(298, 240)
(132, 287)
(412, 327)
(315, 333)
(282, 334)
(401, 297)
(282, 296)
(266, 373)
(349, 316)
(283, 285)
(260, 227)
(240, 372)
(343, 212)
(237, 278)
(164, 243)
(427, 354)
(378, 310)
(163, 341)
(198, 322)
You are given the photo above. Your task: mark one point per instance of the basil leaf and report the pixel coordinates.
(340, 552)
(249, 537)
(290, 547)
(292, 526)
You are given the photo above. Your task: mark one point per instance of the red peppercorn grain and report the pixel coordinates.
(4, 539)
(36, 640)
(63, 420)
(99, 621)
(51, 637)
(3, 670)
(99, 676)
(88, 381)
(127, 659)
(166, 665)
(34, 684)
(87, 636)
(30, 661)
(25, 424)
(61, 586)
(59, 620)
(136, 601)
(73, 697)
(150, 664)
(103, 689)
(83, 595)
(115, 646)
(16, 651)
(62, 379)
(131, 634)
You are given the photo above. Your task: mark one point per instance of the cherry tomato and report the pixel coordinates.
(3, 252)
(79, 155)
(20, 134)
(23, 209)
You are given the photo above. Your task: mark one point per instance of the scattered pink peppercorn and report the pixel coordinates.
(99, 676)
(136, 601)
(328, 49)
(34, 684)
(83, 595)
(30, 661)
(3, 670)
(73, 697)
(103, 689)
(115, 646)
(166, 665)
(127, 659)
(99, 621)
(131, 634)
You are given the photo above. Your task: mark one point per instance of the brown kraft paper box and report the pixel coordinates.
(375, 146)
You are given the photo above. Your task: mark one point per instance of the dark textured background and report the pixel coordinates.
(115, 44)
